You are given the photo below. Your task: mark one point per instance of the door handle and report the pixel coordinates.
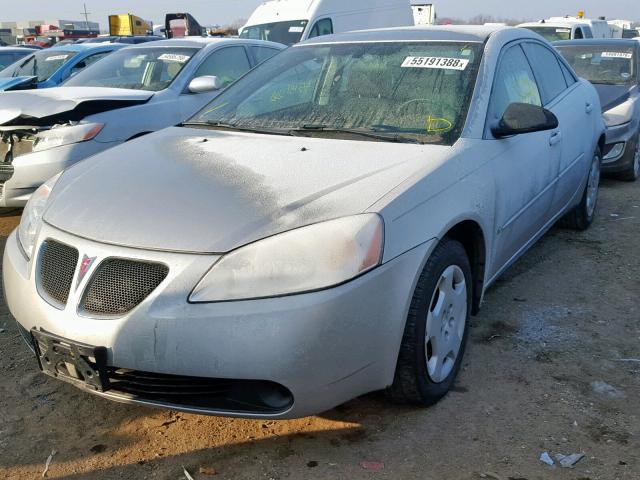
(555, 138)
(588, 108)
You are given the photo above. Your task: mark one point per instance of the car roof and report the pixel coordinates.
(16, 50)
(202, 42)
(613, 42)
(82, 47)
(453, 33)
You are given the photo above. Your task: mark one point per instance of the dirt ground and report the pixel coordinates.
(553, 364)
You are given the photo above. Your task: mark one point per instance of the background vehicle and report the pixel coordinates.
(569, 28)
(178, 25)
(612, 66)
(309, 236)
(141, 90)
(423, 13)
(50, 67)
(291, 21)
(125, 40)
(127, 25)
(9, 55)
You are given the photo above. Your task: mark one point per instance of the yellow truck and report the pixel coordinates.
(127, 25)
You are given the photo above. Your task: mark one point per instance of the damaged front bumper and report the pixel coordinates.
(27, 170)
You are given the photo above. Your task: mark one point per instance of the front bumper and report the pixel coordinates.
(31, 170)
(625, 135)
(324, 347)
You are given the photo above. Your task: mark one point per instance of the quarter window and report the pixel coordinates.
(228, 64)
(546, 68)
(514, 83)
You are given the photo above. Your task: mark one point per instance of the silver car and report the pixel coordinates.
(136, 91)
(323, 229)
(612, 66)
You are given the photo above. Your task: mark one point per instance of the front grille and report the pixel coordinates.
(6, 171)
(255, 396)
(120, 285)
(57, 266)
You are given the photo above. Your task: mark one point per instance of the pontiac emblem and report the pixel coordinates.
(84, 268)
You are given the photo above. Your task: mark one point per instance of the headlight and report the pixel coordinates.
(309, 258)
(619, 115)
(32, 216)
(66, 135)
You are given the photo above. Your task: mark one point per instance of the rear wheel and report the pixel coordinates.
(633, 173)
(581, 217)
(435, 334)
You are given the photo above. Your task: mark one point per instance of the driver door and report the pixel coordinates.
(525, 167)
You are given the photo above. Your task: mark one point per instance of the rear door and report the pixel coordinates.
(525, 167)
(571, 104)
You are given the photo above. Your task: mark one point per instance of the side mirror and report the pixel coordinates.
(206, 83)
(522, 118)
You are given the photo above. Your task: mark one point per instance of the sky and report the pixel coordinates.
(211, 12)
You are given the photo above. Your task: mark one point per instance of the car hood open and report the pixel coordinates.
(206, 191)
(64, 103)
(8, 83)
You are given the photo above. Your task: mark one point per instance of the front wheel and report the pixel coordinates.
(581, 217)
(436, 333)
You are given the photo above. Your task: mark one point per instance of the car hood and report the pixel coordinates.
(73, 102)
(613, 95)
(207, 191)
(7, 83)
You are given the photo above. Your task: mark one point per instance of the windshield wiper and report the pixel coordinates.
(305, 130)
(234, 127)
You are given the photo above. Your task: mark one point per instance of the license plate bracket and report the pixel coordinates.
(76, 363)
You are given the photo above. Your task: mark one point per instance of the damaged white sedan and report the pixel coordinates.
(133, 92)
(324, 228)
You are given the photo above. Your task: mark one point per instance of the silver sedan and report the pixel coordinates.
(136, 91)
(323, 229)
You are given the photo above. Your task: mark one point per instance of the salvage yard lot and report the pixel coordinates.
(552, 365)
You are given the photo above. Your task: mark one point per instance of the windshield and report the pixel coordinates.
(601, 63)
(151, 69)
(41, 65)
(552, 34)
(287, 33)
(414, 92)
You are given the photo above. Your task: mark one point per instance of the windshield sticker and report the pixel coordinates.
(617, 55)
(56, 57)
(443, 63)
(563, 30)
(296, 29)
(174, 57)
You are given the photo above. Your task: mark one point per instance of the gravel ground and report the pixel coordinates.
(553, 365)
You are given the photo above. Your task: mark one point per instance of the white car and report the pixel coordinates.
(130, 93)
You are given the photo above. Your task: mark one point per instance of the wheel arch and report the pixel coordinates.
(470, 234)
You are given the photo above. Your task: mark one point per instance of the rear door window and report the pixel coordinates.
(262, 53)
(546, 68)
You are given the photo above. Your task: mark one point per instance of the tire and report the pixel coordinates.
(581, 217)
(417, 378)
(633, 173)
